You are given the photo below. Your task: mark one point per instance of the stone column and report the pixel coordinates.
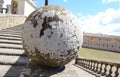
(1, 6)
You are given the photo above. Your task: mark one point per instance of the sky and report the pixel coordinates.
(95, 16)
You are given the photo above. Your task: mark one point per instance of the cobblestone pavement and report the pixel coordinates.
(13, 59)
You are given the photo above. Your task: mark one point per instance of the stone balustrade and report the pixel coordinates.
(103, 68)
(9, 20)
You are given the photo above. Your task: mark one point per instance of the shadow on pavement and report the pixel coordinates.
(41, 71)
(16, 68)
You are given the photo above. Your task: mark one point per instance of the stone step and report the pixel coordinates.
(11, 30)
(10, 46)
(13, 33)
(12, 56)
(10, 38)
(10, 35)
(13, 60)
(70, 70)
(10, 41)
(17, 28)
(10, 70)
(12, 52)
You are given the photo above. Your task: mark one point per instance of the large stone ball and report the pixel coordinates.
(52, 36)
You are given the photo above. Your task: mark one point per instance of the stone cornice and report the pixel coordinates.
(31, 3)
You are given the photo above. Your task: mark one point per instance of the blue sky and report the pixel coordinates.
(96, 16)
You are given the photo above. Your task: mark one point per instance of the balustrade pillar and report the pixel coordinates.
(97, 67)
(97, 64)
(110, 71)
(105, 69)
(116, 72)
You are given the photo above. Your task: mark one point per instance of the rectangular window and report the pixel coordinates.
(107, 45)
(103, 45)
(91, 38)
(119, 47)
(112, 46)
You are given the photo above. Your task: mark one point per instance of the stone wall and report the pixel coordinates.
(7, 21)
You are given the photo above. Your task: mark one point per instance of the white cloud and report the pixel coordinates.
(79, 14)
(108, 1)
(107, 22)
(65, 0)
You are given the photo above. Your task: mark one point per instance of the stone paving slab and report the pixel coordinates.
(70, 70)
(4, 69)
(10, 71)
(13, 60)
(73, 71)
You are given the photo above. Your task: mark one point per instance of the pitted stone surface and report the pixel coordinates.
(52, 36)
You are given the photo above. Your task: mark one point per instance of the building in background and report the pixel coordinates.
(99, 41)
(1, 5)
(19, 7)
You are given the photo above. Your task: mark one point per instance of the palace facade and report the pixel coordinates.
(99, 41)
(18, 7)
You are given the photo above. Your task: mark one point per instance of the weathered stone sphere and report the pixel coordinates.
(51, 36)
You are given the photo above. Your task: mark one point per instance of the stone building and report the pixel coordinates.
(1, 5)
(19, 7)
(99, 41)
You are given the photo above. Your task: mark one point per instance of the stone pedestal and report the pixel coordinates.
(69, 70)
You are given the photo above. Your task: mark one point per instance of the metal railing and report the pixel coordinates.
(103, 68)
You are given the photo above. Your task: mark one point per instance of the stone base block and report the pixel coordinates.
(32, 70)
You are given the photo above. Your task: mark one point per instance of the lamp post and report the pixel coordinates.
(46, 2)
